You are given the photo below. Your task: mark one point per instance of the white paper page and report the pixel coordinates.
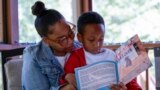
(97, 75)
(132, 59)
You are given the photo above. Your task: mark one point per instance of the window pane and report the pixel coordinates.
(27, 32)
(125, 18)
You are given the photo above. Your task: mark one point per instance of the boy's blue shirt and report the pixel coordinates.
(41, 70)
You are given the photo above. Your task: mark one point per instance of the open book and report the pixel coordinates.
(131, 59)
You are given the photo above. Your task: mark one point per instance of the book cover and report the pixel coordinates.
(130, 60)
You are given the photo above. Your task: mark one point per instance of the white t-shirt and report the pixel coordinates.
(105, 54)
(63, 59)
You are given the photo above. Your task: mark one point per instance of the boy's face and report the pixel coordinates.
(92, 37)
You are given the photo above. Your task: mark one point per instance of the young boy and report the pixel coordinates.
(91, 31)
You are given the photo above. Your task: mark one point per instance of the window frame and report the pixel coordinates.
(10, 21)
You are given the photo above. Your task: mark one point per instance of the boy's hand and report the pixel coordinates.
(67, 87)
(119, 86)
(70, 78)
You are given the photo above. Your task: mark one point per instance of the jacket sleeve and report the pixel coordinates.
(72, 63)
(133, 85)
(68, 68)
(32, 78)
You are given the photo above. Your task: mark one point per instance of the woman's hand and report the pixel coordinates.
(119, 86)
(70, 78)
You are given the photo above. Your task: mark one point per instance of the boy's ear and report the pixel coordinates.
(79, 37)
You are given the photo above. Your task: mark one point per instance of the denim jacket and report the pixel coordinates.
(41, 70)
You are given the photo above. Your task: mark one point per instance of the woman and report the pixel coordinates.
(44, 62)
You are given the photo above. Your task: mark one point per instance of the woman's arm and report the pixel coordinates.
(32, 77)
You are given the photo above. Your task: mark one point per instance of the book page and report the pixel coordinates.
(97, 75)
(132, 59)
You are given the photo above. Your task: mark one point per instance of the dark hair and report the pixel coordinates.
(45, 17)
(88, 18)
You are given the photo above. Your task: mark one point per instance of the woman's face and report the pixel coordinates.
(92, 37)
(60, 37)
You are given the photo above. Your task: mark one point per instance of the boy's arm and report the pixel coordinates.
(72, 63)
(133, 85)
(67, 87)
(68, 68)
(70, 78)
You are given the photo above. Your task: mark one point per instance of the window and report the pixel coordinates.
(27, 32)
(128, 17)
(125, 18)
